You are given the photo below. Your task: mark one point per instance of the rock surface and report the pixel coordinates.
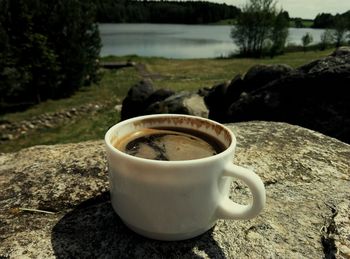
(180, 103)
(306, 174)
(134, 102)
(259, 75)
(143, 99)
(222, 96)
(316, 100)
(314, 96)
(339, 58)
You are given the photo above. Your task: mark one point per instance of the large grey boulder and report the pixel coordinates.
(142, 99)
(217, 101)
(180, 103)
(259, 75)
(135, 102)
(54, 202)
(221, 96)
(339, 58)
(158, 96)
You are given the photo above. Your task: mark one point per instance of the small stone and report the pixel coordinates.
(118, 107)
(48, 125)
(7, 137)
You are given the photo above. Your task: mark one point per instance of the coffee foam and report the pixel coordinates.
(163, 144)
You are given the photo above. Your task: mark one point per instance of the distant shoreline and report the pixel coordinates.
(307, 23)
(179, 40)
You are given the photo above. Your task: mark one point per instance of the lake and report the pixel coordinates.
(177, 40)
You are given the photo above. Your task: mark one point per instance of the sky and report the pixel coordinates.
(307, 9)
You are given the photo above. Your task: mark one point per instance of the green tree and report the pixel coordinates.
(47, 49)
(340, 29)
(185, 12)
(279, 33)
(306, 40)
(257, 27)
(298, 23)
(323, 20)
(326, 39)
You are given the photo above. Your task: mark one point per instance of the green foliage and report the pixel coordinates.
(327, 20)
(326, 39)
(47, 49)
(323, 20)
(183, 12)
(298, 23)
(260, 29)
(341, 25)
(279, 33)
(306, 40)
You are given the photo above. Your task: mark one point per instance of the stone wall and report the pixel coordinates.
(13, 130)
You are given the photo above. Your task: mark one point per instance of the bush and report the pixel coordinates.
(326, 39)
(47, 49)
(340, 30)
(260, 29)
(306, 40)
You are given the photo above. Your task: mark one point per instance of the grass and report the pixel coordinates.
(193, 74)
(86, 128)
(114, 84)
(306, 23)
(175, 74)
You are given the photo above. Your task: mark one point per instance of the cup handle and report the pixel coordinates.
(231, 210)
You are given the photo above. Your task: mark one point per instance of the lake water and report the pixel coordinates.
(177, 40)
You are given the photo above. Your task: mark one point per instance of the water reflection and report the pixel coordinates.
(177, 41)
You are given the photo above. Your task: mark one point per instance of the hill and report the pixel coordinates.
(199, 12)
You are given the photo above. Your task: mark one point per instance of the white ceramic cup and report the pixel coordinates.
(176, 200)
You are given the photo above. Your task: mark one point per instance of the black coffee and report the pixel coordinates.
(169, 144)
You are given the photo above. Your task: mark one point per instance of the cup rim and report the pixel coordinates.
(113, 149)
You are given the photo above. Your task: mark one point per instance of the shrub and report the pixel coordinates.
(48, 49)
(260, 29)
(306, 40)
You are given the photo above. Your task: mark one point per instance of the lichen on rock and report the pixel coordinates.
(306, 175)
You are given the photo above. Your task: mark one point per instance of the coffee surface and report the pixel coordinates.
(169, 144)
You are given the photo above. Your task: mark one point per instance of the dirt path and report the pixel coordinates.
(146, 74)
